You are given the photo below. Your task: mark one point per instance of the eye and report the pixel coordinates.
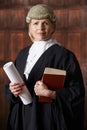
(46, 23)
(36, 23)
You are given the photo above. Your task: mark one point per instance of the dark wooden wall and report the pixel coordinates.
(71, 31)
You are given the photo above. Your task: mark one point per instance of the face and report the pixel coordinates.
(41, 29)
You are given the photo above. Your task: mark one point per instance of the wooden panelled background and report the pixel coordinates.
(71, 32)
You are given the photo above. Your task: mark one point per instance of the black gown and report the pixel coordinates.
(66, 112)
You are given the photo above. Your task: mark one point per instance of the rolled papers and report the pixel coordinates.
(15, 77)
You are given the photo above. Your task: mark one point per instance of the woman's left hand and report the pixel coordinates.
(42, 90)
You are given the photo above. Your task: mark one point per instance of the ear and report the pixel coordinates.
(54, 27)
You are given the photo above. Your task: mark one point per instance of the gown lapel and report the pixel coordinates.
(41, 63)
(22, 62)
(39, 66)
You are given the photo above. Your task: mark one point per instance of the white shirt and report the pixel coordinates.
(36, 50)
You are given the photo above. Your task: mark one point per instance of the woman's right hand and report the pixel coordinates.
(16, 88)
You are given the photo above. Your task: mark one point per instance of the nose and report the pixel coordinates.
(41, 26)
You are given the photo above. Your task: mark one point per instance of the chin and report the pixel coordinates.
(44, 39)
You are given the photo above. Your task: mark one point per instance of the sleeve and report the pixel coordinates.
(20, 58)
(9, 96)
(71, 97)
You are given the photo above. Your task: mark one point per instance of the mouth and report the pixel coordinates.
(41, 33)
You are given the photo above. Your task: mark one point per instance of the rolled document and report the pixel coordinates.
(15, 77)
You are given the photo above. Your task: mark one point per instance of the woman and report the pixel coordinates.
(65, 112)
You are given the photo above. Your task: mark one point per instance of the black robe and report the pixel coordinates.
(66, 112)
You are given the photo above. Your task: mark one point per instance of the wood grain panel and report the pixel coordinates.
(56, 2)
(3, 45)
(18, 40)
(3, 19)
(73, 43)
(62, 20)
(16, 44)
(19, 2)
(59, 37)
(33, 2)
(74, 19)
(84, 18)
(68, 19)
(83, 47)
(73, 2)
(16, 18)
(3, 2)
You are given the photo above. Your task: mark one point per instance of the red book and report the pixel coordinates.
(54, 79)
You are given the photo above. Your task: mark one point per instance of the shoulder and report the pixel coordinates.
(23, 52)
(63, 51)
(66, 57)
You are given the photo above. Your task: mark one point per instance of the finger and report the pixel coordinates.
(17, 91)
(38, 82)
(12, 84)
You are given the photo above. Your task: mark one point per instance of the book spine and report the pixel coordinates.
(45, 99)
